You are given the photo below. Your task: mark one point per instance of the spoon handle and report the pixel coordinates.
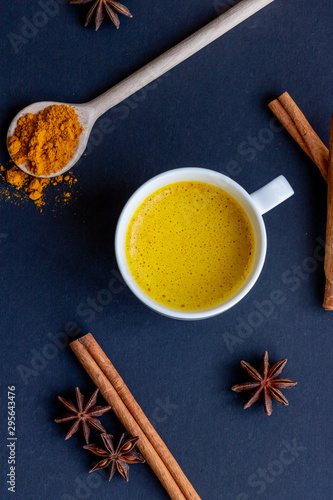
(153, 70)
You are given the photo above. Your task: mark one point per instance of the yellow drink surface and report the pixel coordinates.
(190, 245)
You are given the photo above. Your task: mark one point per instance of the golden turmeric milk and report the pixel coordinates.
(190, 245)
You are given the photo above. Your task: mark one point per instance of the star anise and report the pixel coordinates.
(120, 457)
(111, 7)
(266, 383)
(86, 416)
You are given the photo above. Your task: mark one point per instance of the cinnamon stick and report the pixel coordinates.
(292, 118)
(156, 457)
(128, 399)
(328, 298)
(288, 113)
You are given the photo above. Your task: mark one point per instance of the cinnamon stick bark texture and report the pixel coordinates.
(328, 298)
(294, 121)
(288, 113)
(116, 393)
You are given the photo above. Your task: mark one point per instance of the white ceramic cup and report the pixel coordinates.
(255, 205)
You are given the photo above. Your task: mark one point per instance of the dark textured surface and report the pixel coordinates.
(203, 113)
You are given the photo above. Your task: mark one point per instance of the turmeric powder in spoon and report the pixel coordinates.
(47, 140)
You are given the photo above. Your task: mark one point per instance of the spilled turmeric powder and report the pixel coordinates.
(34, 188)
(46, 141)
(16, 177)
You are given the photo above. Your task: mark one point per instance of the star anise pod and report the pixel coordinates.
(110, 6)
(266, 383)
(86, 416)
(120, 457)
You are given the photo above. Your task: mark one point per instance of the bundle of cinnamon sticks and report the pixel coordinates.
(288, 113)
(122, 402)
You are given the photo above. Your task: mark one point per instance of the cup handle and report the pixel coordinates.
(271, 195)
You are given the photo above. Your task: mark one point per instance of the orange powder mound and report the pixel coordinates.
(16, 177)
(33, 188)
(47, 140)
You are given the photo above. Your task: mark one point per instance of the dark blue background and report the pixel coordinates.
(203, 113)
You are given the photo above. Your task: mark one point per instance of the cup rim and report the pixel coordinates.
(138, 197)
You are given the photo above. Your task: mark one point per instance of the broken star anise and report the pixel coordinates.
(265, 383)
(86, 416)
(111, 7)
(120, 457)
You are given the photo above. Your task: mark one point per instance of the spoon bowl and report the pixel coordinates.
(86, 117)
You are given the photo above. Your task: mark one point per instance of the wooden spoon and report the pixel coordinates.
(89, 112)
